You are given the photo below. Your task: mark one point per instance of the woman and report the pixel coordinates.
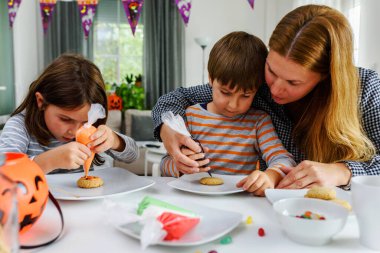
(324, 109)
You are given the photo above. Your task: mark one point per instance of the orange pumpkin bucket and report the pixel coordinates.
(32, 188)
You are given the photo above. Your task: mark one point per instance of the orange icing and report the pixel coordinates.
(83, 136)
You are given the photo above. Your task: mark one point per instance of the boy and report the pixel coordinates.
(236, 134)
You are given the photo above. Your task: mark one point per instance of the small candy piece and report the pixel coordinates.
(249, 220)
(226, 240)
(311, 216)
(261, 232)
(213, 251)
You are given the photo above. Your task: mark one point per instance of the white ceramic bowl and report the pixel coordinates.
(305, 231)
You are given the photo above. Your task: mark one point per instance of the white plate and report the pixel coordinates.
(214, 224)
(190, 183)
(116, 181)
(276, 194)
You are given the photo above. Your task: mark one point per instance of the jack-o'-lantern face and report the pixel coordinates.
(32, 188)
(114, 102)
(7, 195)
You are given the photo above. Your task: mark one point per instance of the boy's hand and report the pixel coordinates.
(68, 156)
(104, 139)
(184, 159)
(256, 183)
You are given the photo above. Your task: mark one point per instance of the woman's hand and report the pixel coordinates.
(308, 174)
(68, 156)
(184, 158)
(104, 139)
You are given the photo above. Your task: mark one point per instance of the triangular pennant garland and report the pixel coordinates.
(47, 9)
(184, 7)
(87, 10)
(251, 3)
(13, 6)
(133, 10)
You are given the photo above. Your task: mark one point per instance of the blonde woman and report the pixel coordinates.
(325, 110)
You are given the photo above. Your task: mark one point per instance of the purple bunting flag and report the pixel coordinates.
(184, 7)
(251, 3)
(13, 6)
(47, 9)
(133, 10)
(87, 10)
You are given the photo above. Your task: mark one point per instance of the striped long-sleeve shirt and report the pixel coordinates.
(15, 138)
(235, 144)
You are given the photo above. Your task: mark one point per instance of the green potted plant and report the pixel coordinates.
(133, 96)
(138, 80)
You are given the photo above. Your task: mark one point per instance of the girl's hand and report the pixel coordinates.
(68, 156)
(184, 158)
(104, 139)
(308, 174)
(256, 183)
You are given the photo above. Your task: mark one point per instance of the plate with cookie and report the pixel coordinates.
(101, 183)
(333, 194)
(202, 183)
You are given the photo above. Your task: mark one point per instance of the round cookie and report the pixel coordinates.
(89, 182)
(325, 193)
(211, 181)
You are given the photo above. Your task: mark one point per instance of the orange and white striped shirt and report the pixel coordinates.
(235, 143)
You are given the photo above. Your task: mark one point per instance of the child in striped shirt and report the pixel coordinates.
(236, 135)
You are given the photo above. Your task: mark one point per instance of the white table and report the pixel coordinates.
(85, 230)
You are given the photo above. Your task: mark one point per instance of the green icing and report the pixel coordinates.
(152, 201)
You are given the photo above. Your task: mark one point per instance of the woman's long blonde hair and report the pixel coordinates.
(319, 38)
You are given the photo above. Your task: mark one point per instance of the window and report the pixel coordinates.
(116, 51)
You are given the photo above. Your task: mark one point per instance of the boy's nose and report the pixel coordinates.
(233, 103)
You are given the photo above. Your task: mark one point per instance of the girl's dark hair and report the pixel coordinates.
(238, 59)
(69, 82)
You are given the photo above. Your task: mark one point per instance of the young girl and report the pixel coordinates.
(56, 106)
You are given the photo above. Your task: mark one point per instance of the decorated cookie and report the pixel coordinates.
(89, 182)
(211, 181)
(321, 193)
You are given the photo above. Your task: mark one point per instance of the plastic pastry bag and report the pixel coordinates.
(175, 122)
(158, 221)
(83, 134)
(178, 124)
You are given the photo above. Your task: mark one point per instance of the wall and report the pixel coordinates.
(369, 50)
(27, 54)
(216, 18)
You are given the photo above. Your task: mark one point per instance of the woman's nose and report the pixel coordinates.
(277, 86)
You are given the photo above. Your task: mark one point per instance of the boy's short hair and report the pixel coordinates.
(238, 59)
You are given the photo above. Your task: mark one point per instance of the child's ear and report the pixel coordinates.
(40, 100)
